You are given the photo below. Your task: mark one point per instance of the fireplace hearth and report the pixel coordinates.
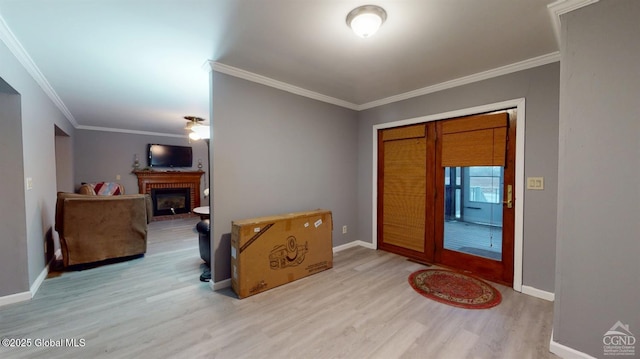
(170, 201)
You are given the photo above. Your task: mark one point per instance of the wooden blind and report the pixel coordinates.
(406, 132)
(404, 188)
(475, 141)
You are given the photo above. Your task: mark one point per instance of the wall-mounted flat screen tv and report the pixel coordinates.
(169, 156)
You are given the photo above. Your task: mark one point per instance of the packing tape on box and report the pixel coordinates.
(256, 236)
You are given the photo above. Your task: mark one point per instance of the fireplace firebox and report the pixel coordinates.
(169, 201)
(171, 180)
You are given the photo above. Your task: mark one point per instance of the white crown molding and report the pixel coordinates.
(207, 66)
(267, 81)
(560, 7)
(9, 39)
(518, 66)
(135, 132)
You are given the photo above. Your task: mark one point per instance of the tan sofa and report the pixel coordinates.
(95, 228)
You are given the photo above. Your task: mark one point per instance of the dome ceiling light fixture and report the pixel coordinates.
(365, 20)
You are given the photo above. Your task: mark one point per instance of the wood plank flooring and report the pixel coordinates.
(156, 307)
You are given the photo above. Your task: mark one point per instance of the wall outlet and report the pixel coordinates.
(117, 177)
(29, 183)
(344, 229)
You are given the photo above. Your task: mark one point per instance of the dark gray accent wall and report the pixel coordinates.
(598, 270)
(13, 230)
(102, 155)
(275, 152)
(540, 87)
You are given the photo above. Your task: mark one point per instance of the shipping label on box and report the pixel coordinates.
(270, 251)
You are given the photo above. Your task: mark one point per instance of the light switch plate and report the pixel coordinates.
(536, 183)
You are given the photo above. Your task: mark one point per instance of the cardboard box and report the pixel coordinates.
(270, 251)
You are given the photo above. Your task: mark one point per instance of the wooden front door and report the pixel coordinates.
(446, 193)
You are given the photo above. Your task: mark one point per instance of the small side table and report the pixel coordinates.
(203, 212)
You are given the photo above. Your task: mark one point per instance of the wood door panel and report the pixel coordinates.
(498, 271)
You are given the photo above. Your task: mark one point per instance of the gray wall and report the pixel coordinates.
(598, 271)
(275, 152)
(64, 161)
(101, 156)
(13, 230)
(39, 116)
(540, 87)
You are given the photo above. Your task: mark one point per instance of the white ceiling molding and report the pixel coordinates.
(134, 132)
(518, 66)
(9, 39)
(250, 76)
(562, 7)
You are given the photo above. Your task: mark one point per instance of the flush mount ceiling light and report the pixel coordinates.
(366, 20)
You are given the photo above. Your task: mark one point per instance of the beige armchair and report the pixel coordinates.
(95, 228)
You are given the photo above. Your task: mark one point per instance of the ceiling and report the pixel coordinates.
(139, 65)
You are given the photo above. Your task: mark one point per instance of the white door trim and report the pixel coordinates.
(519, 104)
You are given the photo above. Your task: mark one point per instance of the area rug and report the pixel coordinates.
(456, 289)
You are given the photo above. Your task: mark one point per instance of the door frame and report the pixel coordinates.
(519, 105)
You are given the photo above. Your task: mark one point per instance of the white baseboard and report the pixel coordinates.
(538, 293)
(565, 352)
(15, 298)
(351, 245)
(33, 289)
(220, 285)
(38, 282)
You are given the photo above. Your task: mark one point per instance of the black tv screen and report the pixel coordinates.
(170, 156)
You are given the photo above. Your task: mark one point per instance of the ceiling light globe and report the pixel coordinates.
(366, 20)
(365, 25)
(194, 136)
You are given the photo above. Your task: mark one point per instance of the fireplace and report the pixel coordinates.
(172, 182)
(168, 201)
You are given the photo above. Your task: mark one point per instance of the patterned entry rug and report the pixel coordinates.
(455, 289)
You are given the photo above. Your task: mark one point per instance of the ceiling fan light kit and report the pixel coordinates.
(197, 130)
(365, 20)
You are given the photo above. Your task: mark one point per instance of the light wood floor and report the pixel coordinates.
(156, 307)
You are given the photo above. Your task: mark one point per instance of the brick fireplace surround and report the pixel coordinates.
(148, 180)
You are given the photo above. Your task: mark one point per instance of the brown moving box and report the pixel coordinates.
(270, 251)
